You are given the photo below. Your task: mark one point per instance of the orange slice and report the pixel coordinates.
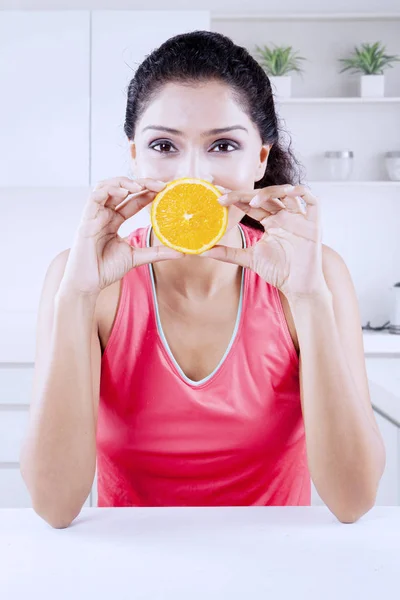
(187, 216)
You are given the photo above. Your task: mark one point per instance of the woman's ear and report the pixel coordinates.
(132, 149)
(264, 153)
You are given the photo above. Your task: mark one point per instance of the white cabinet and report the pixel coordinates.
(120, 41)
(13, 425)
(13, 491)
(44, 80)
(385, 371)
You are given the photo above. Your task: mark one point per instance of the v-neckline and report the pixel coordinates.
(160, 331)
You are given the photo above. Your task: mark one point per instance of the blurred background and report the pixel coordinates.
(64, 70)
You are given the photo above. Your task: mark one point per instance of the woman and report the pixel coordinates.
(222, 379)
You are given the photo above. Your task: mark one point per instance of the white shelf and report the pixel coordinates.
(383, 183)
(338, 100)
(379, 342)
(304, 16)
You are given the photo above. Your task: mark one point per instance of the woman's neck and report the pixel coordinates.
(195, 277)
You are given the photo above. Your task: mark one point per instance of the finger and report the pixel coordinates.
(153, 185)
(110, 194)
(263, 201)
(301, 205)
(134, 203)
(144, 256)
(122, 201)
(222, 189)
(123, 182)
(236, 256)
(292, 223)
(130, 197)
(273, 191)
(274, 206)
(150, 187)
(132, 185)
(312, 208)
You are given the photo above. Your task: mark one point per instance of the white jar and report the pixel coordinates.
(394, 326)
(339, 164)
(392, 164)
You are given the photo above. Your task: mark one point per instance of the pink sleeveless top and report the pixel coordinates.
(235, 438)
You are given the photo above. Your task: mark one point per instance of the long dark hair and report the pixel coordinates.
(204, 55)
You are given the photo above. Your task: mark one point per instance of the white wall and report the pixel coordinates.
(214, 5)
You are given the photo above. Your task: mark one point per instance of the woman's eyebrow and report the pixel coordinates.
(205, 134)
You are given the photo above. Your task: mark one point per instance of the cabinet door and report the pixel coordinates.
(16, 383)
(44, 117)
(120, 41)
(13, 426)
(13, 491)
(385, 371)
(389, 486)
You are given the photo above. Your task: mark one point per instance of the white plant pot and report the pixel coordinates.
(372, 86)
(281, 85)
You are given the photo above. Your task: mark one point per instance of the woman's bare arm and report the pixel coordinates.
(58, 457)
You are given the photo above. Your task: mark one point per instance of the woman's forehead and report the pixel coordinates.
(199, 107)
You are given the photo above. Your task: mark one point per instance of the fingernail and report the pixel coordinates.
(254, 202)
(289, 188)
(279, 202)
(222, 199)
(301, 205)
(140, 185)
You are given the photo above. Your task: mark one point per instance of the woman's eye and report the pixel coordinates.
(168, 144)
(225, 144)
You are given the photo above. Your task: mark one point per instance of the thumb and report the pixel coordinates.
(144, 256)
(236, 256)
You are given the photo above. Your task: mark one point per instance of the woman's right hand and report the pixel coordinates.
(99, 256)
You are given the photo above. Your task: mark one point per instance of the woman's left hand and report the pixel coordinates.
(289, 253)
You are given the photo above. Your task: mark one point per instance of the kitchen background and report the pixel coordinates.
(64, 68)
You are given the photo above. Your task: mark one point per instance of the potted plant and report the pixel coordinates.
(370, 60)
(278, 62)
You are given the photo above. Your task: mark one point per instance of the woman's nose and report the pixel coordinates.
(196, 168)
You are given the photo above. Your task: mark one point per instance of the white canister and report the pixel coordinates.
(392, 164)
(339, 164)
(281, 86)
(394, 326)
(372, 86)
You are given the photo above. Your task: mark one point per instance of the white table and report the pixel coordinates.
(241, 553)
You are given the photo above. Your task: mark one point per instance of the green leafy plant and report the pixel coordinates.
(279, 60)
(370, 59)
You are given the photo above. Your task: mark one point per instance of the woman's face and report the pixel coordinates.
(174, 138)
